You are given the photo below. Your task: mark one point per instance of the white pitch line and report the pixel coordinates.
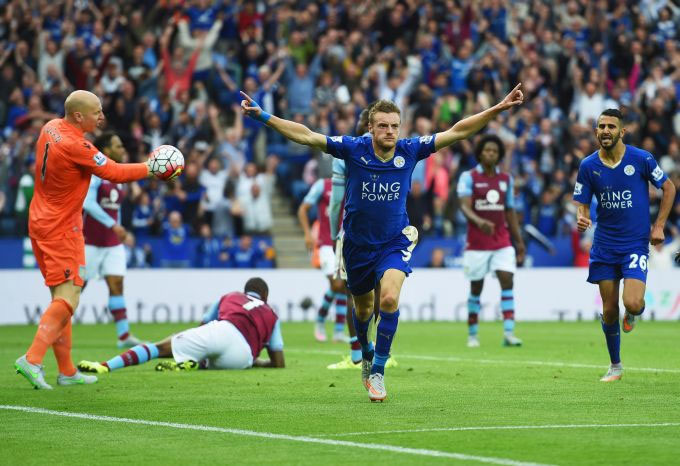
(460, 429)
(498, 361)
(268, 435)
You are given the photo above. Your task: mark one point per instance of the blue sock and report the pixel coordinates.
(136, 355)
(473, 314)
(117, 310)
(325, 306)
(508, 310)
(613, 337)
(383, 340)
(362, 335)
(355, 349)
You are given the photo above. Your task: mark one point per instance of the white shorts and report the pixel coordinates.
(104, 261)
(476, 264)
(219, 341)
(327, 259)
(339, 269)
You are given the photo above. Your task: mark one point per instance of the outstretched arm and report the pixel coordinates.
(296, 132)
(470, 125)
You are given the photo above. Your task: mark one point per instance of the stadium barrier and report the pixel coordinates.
(182, 295)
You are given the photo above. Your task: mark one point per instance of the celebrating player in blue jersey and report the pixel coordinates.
(618, 176)
(378, 239)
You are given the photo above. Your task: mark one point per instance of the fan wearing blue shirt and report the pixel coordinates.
(618, 175)
(378, 239)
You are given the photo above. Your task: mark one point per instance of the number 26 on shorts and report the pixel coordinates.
(638, 260)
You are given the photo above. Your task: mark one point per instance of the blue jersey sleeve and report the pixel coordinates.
(340, 146)
(510, 194)
(276, 340)
(92, 207)
(424, 146)
(583, 191)
(653, 171)
(464, 188)
(211, 314)
(337, 196)
(314, 193)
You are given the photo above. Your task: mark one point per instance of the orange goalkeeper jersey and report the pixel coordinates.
(65, 160)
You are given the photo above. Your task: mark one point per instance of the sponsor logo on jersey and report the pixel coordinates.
(616, 199)
(87, 145)
(99, 159)
(373, 191)
(336, 139)
(578, 189)
(425, 139)
(657, 174)
(399, 161)
(629, 170)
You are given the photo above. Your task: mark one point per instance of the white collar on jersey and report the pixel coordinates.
(254, 294)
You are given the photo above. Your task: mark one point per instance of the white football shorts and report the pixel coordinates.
(339, 269)
(219, 341)
(104, 261)
(327, 259)
(476, 264)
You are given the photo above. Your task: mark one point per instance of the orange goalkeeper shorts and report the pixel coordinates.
(61, 260)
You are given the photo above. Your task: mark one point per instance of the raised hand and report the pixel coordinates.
(515, 97)
(250, 107)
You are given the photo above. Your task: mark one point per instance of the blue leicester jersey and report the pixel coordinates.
(376, 191)
(622, 195)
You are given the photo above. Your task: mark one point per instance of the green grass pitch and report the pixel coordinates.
(447, 404)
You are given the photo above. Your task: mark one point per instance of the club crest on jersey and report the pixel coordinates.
(399, 161)
(99, 159)
(492, 196)
(503, 186)
(629, 170)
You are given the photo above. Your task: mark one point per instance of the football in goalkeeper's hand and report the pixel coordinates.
(166, 162)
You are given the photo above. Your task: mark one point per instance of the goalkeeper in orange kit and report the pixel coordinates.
(65, 161)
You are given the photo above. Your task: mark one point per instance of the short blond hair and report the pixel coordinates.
(384, 106)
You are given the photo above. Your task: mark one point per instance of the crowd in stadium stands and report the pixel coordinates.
(169, 71)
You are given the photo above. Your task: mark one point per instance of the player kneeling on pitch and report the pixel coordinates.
(231, 336)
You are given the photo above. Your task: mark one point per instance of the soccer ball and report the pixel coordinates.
(166, 161)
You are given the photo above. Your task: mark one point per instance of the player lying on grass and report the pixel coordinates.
(232, 334)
